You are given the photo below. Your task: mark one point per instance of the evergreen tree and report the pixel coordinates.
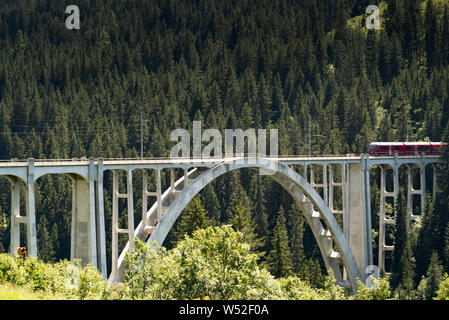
(426, 237)
(279, 258)
(432, 33)
(211, 204)
(45, 244)
(406, 287)
(442, 198)
(400, 239)
(430, 283)
(295, 223)
(241, 220)
(194, 217)
(260, 213)
(446, 249)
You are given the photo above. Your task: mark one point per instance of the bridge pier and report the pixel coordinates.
(16, 217)
(30, 211)
(359, 228)
(83, 239)
(99, 222)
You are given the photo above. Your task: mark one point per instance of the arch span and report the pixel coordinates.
(319, 217)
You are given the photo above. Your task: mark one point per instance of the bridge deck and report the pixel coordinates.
(162, 161)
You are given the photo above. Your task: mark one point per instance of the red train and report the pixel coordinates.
(405, 148)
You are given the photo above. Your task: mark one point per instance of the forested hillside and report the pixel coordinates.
(231, 64)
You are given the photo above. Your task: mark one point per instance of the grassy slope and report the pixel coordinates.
(10, 292)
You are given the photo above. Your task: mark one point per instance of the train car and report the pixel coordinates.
(405, 148)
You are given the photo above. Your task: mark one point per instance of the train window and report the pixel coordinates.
(410, 148)
(384, 148)
(396, 148)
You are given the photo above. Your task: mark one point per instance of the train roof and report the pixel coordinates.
(407, 143)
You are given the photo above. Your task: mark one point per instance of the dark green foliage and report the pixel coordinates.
(400, 253)
(406, 286)
(279, 259)
(426, 238)
(194, 217)
(430, 283)
(45, 244)
(295, 226)
(242, 221)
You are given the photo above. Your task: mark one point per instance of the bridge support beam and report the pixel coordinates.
(30, 211)
(83, 240)
(16, 218)
(100, 226)
(358, 233)
(116, 230)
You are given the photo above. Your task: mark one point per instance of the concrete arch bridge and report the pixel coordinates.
(337, 208)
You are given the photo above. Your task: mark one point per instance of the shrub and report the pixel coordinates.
(62, 280)
(379, 291)
(214, 263)
(11, 270)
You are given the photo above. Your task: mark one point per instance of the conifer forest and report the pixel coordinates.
(304, 67)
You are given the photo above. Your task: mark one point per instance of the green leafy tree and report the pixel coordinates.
(215, 262)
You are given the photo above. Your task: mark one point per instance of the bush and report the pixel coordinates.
(213, 263)
(380, 290)
(63, 280)
(11, 270)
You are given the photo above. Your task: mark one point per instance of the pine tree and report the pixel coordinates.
(211, 204)
(426, 237)
(45, 245)
(54, 238)
(442, 199)
(194, 217)
(406, 287)
(446, 249)
(241, 220)
(445, 35)
(400, 238)
(431, 282)
(260, 212)
(431, 37)
(279, 258)
(295, 222)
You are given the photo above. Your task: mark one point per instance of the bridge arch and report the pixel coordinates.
(319, 217)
